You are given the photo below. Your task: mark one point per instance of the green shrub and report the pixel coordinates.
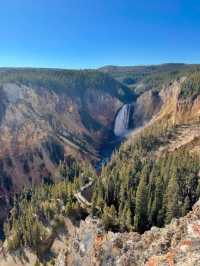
(191, 86)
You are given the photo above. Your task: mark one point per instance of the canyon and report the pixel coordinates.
(41, 126)
(50, 116)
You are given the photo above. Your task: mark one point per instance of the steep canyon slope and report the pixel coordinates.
(46, 115)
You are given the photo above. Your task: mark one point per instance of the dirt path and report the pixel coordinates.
(79, 194)
(181, 136)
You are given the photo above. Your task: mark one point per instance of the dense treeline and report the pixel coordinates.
(150, 77)
(29, 223)
(38, 212)
(72, 82)
(137, 190)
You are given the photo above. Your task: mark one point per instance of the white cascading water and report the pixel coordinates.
(121, 126)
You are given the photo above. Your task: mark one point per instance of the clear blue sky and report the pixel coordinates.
(92, 33)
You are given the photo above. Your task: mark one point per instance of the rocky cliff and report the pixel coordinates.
(46, 115)
(176, 244)
(88, 244)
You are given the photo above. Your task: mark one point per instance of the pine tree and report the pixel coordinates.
(172, 198)
(129, 219)
(140, 218)
(109, 217)
(186, 206)
(157, 202)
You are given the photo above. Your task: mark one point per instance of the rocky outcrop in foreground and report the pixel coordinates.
(176, 244)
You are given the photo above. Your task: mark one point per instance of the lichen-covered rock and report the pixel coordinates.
(177, 244)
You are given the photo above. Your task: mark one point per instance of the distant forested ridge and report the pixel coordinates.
(72, 82)
(152, 77)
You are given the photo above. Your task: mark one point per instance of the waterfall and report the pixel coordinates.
(121, 127)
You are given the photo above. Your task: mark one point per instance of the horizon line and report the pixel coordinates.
(97, 67)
